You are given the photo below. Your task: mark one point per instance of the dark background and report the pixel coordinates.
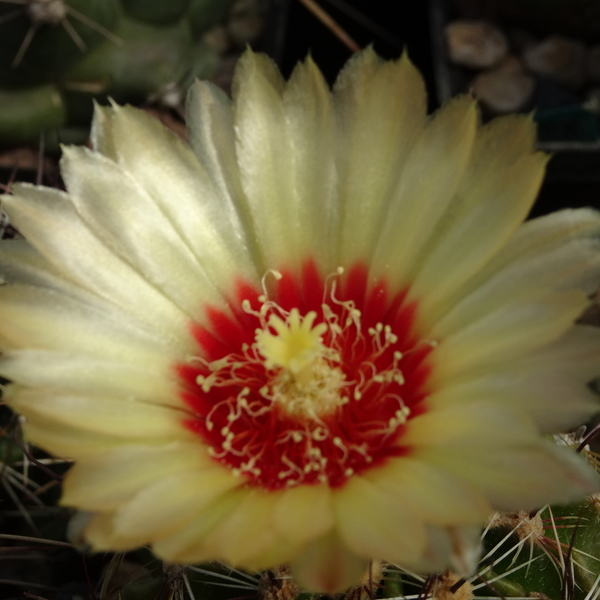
(573, 180)
(411, 32)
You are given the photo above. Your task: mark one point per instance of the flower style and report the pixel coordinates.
(318, 336)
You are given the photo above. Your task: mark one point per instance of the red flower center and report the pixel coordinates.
(310, 383)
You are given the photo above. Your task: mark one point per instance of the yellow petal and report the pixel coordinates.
(375, 523)
(121, 417)
(380, 109)
(550, 384)
(86, 261)
(573, 266)
(169, 503)
(71, 372)
(481, 423)
(433, 494)
(304, 512)
(328, 566)
(39, 318)
(529, 247)
(211, 132)
(168, 169)
(424, 190)
(67, 441)
(99, 533)
(479, 233)
(247, 531)
(264, 157)
(510, 332)
(496, 194)
(187, 545)
(137, 230)
(311, 187)
(455, 548)
(106, 481)
(520, 477)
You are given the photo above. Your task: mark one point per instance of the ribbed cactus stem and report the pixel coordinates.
(134, 51)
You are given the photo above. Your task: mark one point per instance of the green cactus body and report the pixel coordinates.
(159, 13)
(134, 51)
(583, 531)
(205, 14)
(25, 113)
(554, 554)
(150, 58)
(56, 40)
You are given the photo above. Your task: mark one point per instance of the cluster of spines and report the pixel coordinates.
(57, 56)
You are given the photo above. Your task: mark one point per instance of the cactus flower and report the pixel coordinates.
(318, 335)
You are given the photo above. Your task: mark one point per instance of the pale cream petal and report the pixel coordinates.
(187, 545)
(171, 502)
(152, 380)
(556, 235)
(181, 187)
(554, 398)
(381, 112)
(550, 384)
(121, 417)
(508, 333)
(68, 441)
(41, 318)
(310, 128)
(39, 213)
(304, 512)
(122, 214)
(579, 346)
(519, 477)
(264, 159)
(327, 566)
(496, 194)
(285, 146)
(375, 523)
(211, 132)
(425, 188)
(257, 64)
(481, 423)
(476, 230)
(104, 482)
(575, 265)
(99, 533)
(102, 132)
(75, 528)
(431, 493)
(21, 263)
(543, 235)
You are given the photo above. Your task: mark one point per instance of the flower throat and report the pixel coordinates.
(301, 389)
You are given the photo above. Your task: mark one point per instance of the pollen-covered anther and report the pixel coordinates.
(308, 382)
(295, 343)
